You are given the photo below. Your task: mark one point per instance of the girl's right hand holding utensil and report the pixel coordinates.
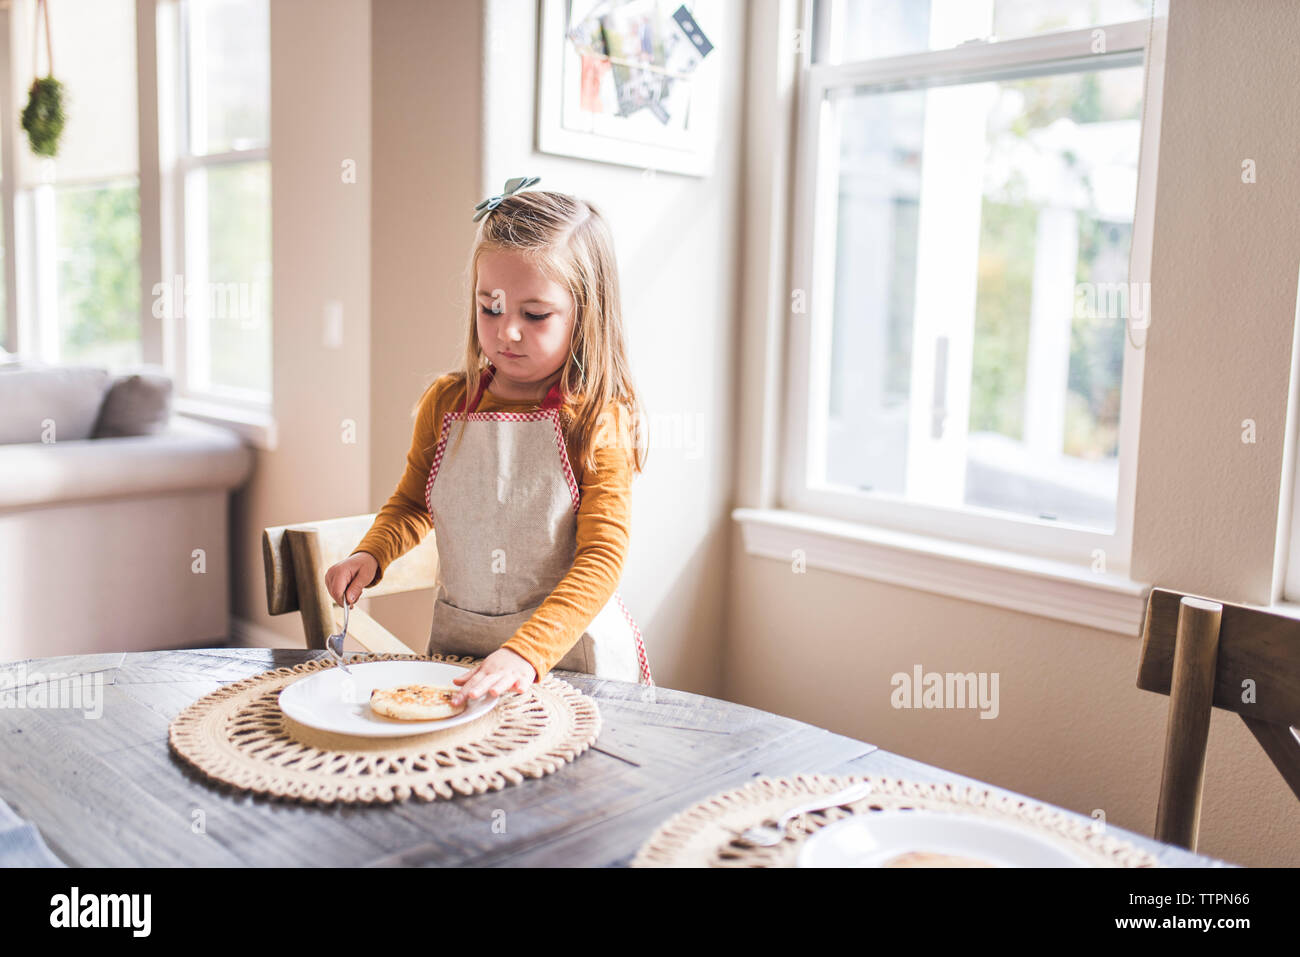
(350, 576)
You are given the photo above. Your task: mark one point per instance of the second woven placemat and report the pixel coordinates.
(238, 736)
(704, 834)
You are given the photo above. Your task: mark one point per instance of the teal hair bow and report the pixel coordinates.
(512, 186)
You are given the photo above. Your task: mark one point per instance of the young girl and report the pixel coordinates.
(522, 461)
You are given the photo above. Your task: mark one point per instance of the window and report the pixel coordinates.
(113, 261)
(216, 133)
(963, 332)
(78, 214)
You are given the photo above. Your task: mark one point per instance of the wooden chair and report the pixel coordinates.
(1209, 654)
(296, 558)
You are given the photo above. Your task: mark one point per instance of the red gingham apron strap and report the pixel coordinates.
(483, 381)
(553, 397)
(552, 401)
(640, 645)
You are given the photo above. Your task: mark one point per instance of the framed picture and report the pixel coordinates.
(634, 82)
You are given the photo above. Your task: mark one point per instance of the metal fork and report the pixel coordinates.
(764, 835)
(337, 650)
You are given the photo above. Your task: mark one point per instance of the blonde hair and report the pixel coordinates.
(570, 242)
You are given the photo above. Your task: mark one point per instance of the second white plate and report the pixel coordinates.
(871, 839)
(328, 701)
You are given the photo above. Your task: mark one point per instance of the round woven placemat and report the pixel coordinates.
(238, 736)
(704, 835)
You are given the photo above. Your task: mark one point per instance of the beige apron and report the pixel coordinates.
(504, 505)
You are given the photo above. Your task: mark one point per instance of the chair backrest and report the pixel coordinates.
(296, 558)
(1209, 654)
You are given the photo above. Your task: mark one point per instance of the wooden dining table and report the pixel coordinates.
(107, 791)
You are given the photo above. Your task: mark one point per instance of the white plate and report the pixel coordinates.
(872, 838)
(327, 701)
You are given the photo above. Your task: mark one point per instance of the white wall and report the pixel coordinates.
(1073, 729)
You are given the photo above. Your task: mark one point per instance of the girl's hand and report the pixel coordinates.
(500, 672)
(349, 576)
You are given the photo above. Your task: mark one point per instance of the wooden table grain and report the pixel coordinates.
(110, 793)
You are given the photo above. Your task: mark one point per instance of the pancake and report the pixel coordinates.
(416, 702)
(932, 859)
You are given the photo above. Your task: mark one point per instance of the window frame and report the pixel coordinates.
(1286, 587)
(8, 173)
(812, 264)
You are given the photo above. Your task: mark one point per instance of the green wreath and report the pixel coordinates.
(43, 116)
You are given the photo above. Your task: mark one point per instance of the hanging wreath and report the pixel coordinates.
(43, 116)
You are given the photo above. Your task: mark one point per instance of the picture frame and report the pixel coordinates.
(632, 82)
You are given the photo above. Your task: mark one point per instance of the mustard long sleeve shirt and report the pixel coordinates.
(604, 521)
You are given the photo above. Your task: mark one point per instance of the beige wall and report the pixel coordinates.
(677, 240)
(428, 97)
(394, 85)
(448, 125)
(320, 247)
(1223, 286)
(1073, 730)
(403, 87)
(472, 130)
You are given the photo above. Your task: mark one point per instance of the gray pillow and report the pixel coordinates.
(61, 402)
(138, 403)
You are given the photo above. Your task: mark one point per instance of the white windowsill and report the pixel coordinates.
(1036, 586)
(1286, 606)
(257, 428)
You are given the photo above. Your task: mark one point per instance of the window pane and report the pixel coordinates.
(1022, 18)
(981, 242)
(97, 234)
(865, 29)
(229, 69)
(230, 341)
